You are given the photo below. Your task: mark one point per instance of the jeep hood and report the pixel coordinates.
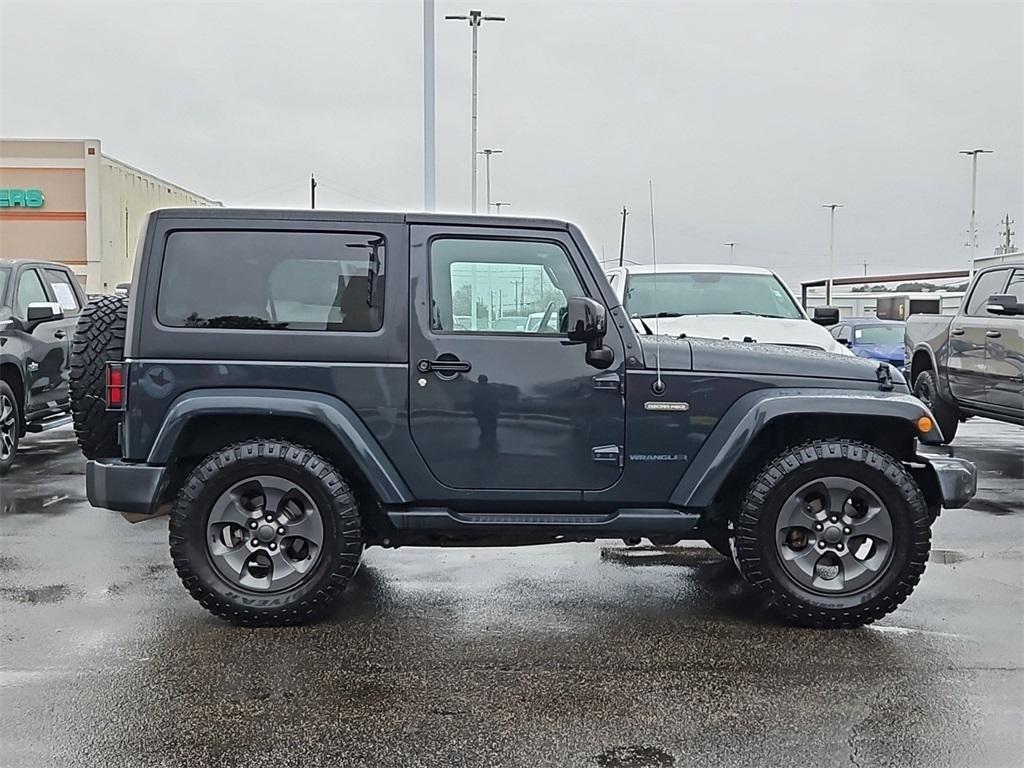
(763, 330)
(711, 356)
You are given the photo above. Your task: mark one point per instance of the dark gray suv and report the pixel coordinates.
(294, 386)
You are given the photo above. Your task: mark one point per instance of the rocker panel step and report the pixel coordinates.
(613, 524)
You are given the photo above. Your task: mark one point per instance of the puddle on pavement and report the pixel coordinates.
(53, 593)
(948, 556)
(995, 507)
(49, 504)
(650, 555)
(634, 757)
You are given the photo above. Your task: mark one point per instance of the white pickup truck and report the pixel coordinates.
(716, 301)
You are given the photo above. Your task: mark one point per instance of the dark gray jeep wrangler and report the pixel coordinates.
(295, 386)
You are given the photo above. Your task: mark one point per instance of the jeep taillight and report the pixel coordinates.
(115, 387)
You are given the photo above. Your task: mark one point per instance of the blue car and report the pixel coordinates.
(880, 340)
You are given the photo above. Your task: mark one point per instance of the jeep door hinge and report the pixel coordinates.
(608, 454)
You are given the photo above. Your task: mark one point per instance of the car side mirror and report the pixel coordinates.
(587, 323)
(826, 315)
(844, 342)
(1004, 304)
(42, 312)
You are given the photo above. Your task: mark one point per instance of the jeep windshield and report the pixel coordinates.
(4, 273)
(675, 294)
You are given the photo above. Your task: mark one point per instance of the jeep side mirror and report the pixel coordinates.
(844, 342)
(42, 312)
(587, 323)
(826, 315)
(1004, 304)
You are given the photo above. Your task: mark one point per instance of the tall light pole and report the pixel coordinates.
(497, 206)
(831, 248)
(475, 18)
(487, 171)
(732, 247)
(429, 161)
(972, 233)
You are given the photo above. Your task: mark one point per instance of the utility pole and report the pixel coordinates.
(475, 18)
(972, 233)
(312, 191)
(497, 206)
(622, 239)
(1007, 233)
(732, 247)
(831, 249)
(429, 158)
(487, 171)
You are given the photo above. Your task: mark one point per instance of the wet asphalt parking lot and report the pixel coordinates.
(568, 655)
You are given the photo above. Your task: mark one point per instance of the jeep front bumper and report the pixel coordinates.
(131, 489)
(958, 480)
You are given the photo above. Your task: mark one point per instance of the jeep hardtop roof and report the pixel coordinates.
(384, 217)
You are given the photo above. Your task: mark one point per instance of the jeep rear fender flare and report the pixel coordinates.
(749, 415)
(338, 417)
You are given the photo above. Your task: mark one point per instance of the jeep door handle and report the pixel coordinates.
(443, 366)
(957, 331)
(58, 334)
(993, 334)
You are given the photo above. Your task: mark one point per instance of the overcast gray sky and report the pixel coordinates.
(747, 116)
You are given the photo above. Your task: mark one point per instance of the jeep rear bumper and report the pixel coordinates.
(131, 489)
(958, 480)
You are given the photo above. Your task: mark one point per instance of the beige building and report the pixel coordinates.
(64, 200)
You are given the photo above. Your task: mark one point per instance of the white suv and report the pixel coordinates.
(715, 301)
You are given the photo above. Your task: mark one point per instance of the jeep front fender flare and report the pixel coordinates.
(748, 416)
(342, 421)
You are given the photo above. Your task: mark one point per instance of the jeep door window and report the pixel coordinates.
(304, 281)
(673, 294)
(500, 286)
(30, 289)
(62, 290)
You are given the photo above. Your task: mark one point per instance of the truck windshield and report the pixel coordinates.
(879, 334)
(709, 293)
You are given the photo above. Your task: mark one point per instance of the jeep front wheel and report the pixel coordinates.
(836, 532)
(265, 533)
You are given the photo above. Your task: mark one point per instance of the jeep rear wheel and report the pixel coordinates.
(836, 532)
(946, 414)
(99, 339)
(265, 533)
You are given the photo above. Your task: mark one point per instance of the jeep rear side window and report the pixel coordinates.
(499, 286)
(282, 281)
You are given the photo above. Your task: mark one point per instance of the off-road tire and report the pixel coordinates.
(98, 340)
(342, 547)
(946, 414)
(757, 552)
(8, 462)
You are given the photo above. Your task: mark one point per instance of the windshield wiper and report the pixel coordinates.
(660, 314)
(647, 328)
(759, 314)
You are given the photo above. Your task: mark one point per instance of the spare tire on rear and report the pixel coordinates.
(99, 339)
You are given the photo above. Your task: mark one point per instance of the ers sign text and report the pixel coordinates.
(25, 198)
